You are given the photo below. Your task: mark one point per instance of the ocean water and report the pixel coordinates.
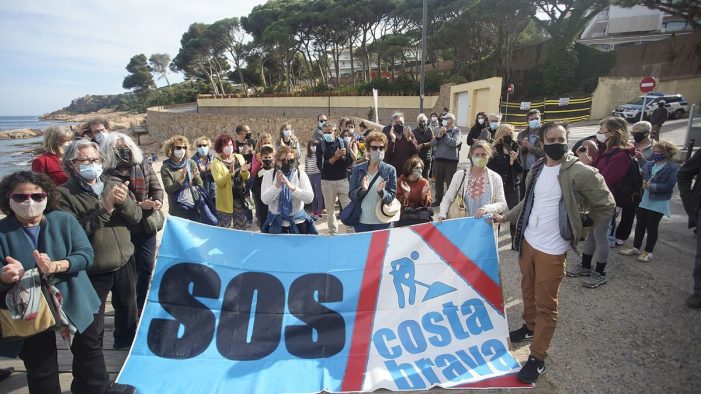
(18, 154)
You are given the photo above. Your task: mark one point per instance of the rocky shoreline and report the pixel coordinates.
(118, 119)
(20, 134)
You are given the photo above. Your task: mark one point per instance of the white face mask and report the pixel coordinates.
(228, 150)
(313, 148)
(347, 140)
(286, 133)
(479, 162)
(601, 137)
(28, 209)
(480, 120)
(179, 153)
(434, 119)
(445, 122)
(377, 155)
(100, 138)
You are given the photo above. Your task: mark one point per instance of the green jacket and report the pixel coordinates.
(587, 200)
(172, 186)
(108, 232)
(61, 237)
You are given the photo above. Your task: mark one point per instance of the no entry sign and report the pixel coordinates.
(648, 84)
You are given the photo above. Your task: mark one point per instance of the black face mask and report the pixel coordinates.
(638, 137)
(249, 135)
(286, 165)
(422, 125)
(123, 155)
(555, 151)
(507, 139)
(399, 128)
(267, 163)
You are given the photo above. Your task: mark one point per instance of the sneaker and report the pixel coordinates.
(578, 271)
(520, 335)
(532, 370)
(595, 280)
(619, 242)
(645, 257)
(629, 252)
(694, 301)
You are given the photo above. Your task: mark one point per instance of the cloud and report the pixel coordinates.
(84, 46)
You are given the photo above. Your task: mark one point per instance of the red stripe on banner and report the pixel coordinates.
(462, 264)
(510, 381)
(365, 313)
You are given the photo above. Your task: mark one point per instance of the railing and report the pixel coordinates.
(575, 109)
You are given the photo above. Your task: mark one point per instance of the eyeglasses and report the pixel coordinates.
(322, 120)
(375, 147)
(88, 161)
(287, 161)
(20, 197)
(202, 145)
(176, 147)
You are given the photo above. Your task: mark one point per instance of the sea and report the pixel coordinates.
(17, 154)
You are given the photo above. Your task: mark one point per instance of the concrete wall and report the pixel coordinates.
(310, 107)
(483, 95)
(612, 91)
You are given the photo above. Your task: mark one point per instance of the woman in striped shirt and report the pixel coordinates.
(315, 178)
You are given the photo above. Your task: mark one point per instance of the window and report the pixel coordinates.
(675, 25)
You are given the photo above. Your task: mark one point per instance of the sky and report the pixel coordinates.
(53, 51)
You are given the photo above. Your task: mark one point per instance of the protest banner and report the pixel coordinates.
(402, 309)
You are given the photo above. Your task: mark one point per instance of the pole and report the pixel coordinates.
(423, 58)
(506, 107)
(642, 110)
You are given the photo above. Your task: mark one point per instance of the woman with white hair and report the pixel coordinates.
(643, 141)
(423, 135)
(123, 159)
(55, 140)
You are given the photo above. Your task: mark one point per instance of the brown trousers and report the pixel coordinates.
(541, 274)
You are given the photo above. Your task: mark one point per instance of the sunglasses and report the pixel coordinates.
(202, 146)
(374, 147)
(176, 147)
(287, 161)
(36, 197)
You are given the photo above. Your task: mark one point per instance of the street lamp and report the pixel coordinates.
(423, 59)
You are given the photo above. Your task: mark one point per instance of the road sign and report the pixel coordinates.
(648, 84)
(510, 88)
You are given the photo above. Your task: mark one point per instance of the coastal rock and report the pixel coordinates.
(19, 134)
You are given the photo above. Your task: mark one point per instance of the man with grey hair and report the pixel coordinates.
(401, 144)
(105, 209)
(445, 163)
(124, 161)
(423, 136)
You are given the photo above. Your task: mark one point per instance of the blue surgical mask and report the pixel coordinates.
(658, 157)
(493, 125)
(203, 150)
(534, 123)
(286, 133)
(328, 137)
(90, 171)
(321, 123)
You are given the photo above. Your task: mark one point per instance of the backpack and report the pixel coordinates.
(630, 190)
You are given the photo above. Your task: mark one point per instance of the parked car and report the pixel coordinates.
(675, 103)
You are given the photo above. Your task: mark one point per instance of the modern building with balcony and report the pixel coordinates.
(344, 63)
(618, 27)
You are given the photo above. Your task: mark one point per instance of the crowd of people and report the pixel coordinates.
(87, 214)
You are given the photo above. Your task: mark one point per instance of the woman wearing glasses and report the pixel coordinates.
(372, 181)
(203, 158)
(35, 235)
(178, 171)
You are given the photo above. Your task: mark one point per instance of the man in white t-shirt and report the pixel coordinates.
(549, 222)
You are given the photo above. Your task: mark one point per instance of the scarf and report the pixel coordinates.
(286, 197)
(176, 166)
(23, 302)
(522, 222)
(137, 180)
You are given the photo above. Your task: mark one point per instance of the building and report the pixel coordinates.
(344, 62)
(617, 27)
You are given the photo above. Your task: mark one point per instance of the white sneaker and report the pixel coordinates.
(645, 257)
(629, 252)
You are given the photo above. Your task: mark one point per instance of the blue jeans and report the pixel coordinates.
(363, 228)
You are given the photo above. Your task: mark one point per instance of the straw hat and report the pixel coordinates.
(387, 213)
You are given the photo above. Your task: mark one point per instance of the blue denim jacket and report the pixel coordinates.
(662, 184)
(387, 172)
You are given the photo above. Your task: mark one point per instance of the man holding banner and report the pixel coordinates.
(548, 223)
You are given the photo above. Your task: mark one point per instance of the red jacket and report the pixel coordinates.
(613, 164)
(50, 164)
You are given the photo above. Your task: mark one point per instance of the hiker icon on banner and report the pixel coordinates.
(403, 275)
